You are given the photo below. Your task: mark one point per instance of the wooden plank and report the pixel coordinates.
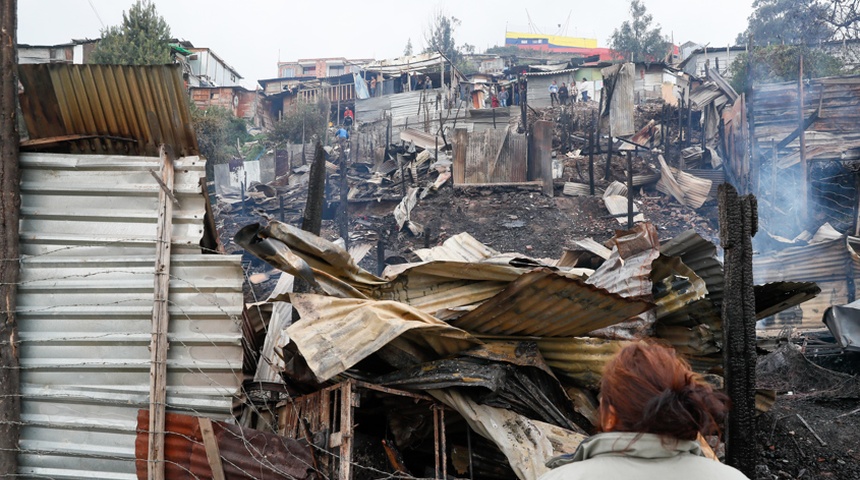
(160, 319)
(461, 143)
(346, 430)
(210, 443)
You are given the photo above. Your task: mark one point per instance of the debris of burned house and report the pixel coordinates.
(450, 328)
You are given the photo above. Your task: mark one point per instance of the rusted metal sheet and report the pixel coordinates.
(627, 271)
(618, 84)
(833, 265)
(244, 453)
(545, 304)
(580, 359)
(490, 156)
(675, 285)
(130, 110)
(739, 171)
(700, 255)
(335, 334)
(459, 248)
(833, 129)
(772, 298)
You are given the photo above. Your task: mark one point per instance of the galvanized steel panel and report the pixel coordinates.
(85, 307)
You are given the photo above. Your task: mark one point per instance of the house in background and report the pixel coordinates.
(74, 52)
(320, 67)
(720, 59)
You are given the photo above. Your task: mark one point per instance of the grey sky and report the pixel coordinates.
(252, 35)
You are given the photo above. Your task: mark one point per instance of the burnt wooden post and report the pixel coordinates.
(524, 103)
(738, 224)
(380, 252)
(804, 168)
(10, 205)
(629, 191)
(343, 207)
(591, 154)
(540, 149)
(608, 171)
(312, 219)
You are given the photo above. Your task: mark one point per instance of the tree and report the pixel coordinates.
(141, 39)
(636, 40)
(788, 22)
(781, 63)
(303, 122)
(408, 50)
(217, 131)
(439, 36)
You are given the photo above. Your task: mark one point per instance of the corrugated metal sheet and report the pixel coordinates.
(125, 110)
(581, 359)
(85, 306)
(459, 248)
(244, 452)
(833, 265)
(545, 304)
(700, 255)
(835, 129)
(491, 156)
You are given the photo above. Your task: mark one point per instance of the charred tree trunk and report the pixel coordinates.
(312, 220)
(738, 224)
(10, 204)
(343, 207)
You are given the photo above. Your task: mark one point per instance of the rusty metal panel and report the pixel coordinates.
(515, 155)
(580, 359)
(545, 304)
(700, 255)
(459, 248)
(461, 147)
(244, 452)
(106, 109)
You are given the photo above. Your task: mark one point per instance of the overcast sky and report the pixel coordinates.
(252, 35)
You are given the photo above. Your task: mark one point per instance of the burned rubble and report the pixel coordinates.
(425, 313)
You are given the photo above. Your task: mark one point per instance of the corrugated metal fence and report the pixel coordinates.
(88, 235)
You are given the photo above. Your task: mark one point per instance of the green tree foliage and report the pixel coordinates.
(310, 118)
(788, 22)
(439, 36)
(407, 51)
(781, 63)
(141, 39)
(636, 40)
(217, 131)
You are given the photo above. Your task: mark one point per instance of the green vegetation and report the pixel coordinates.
(637, 40)
(310, 118)
(781, 63)
(141, 39)
(217, 132)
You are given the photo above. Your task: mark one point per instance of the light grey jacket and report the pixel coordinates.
(629, 456)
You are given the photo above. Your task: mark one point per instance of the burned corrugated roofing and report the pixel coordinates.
(106, 109)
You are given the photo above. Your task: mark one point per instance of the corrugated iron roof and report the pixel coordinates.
(543, 303)
(459, 248)
(106, 109)
(85, 308)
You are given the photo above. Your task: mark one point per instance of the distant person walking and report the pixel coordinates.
(562, 93)
(348, 118)
(553, 94)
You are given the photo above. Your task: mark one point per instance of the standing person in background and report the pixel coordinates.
(348, 118)
(574, 92)
(373, 86)
(428, 84)
(562, 94)
(553, 94)
(503, 97)
(582, 90)
(653, 410)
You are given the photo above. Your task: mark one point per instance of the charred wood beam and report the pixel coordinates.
(312, 220)
(10, 210)
(738, 224)
(796, 133)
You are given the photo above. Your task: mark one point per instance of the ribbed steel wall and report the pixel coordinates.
(85, 304)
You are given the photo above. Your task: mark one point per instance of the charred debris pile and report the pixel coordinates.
(471, 362)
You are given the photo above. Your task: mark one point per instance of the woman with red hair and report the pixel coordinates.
(652, 410)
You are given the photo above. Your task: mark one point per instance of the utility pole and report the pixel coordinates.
(10, 204)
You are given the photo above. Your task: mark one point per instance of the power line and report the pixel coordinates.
(97, 13)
